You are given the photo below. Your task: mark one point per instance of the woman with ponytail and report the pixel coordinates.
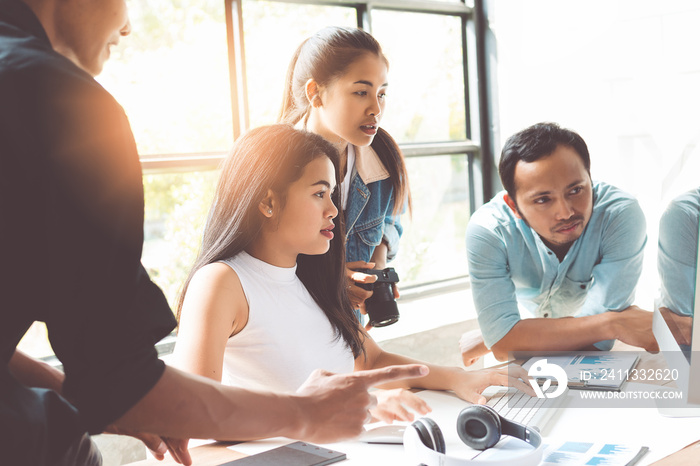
(336, 87)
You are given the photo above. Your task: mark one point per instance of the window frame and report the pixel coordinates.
(479, 157)
(478, 161)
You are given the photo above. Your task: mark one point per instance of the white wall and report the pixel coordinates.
(624, 74)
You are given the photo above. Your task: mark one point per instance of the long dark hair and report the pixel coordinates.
(271, 158)
(324, 57)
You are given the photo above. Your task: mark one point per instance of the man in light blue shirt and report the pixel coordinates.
(555, 245)
(678, 252)
(677, 262)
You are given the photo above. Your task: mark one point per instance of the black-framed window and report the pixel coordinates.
(195, 74)
(431, 112)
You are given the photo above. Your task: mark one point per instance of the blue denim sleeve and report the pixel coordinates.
(493, 289)
(392, 233)
(615, 277)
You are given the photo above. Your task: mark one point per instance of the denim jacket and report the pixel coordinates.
(368, 214)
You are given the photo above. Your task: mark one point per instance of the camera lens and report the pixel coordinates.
(381, 306)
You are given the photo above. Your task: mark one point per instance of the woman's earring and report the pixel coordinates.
(269, 211)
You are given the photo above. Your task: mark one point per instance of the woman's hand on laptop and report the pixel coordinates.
(473, 383)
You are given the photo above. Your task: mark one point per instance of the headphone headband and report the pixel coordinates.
(479, 427)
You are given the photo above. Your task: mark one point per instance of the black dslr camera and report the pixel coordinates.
(381, 306)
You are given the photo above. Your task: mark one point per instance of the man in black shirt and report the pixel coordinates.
(71, 232)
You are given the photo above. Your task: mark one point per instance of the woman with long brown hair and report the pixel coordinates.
(265, 304)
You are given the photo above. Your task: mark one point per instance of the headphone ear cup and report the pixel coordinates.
(430, 434)
(479, 427)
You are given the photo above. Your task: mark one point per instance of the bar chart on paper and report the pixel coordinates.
(569, 453)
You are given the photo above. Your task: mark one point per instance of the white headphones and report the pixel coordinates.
(479, 427)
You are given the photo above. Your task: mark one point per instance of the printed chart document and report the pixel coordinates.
(569, 453)
(594, 370)
(561, 452)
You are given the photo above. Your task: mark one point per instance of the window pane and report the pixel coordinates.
(171, 76)
(433, 247)
(272, 33)
(176, 208)
(36, 341)
(426, 75)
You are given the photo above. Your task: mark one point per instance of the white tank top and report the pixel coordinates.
(287, 336)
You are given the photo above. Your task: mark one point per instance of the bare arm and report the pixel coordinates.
(632, 326)
(326, 408)
(472, 347)
(468, 385)
(379, 256)
(214, 308)
(34, 373)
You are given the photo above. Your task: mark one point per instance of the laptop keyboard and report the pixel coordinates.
(520, 407)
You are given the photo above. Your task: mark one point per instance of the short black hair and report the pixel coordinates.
(534, 143)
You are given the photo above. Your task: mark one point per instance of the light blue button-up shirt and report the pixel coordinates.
(509, 265)
(678, 249)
